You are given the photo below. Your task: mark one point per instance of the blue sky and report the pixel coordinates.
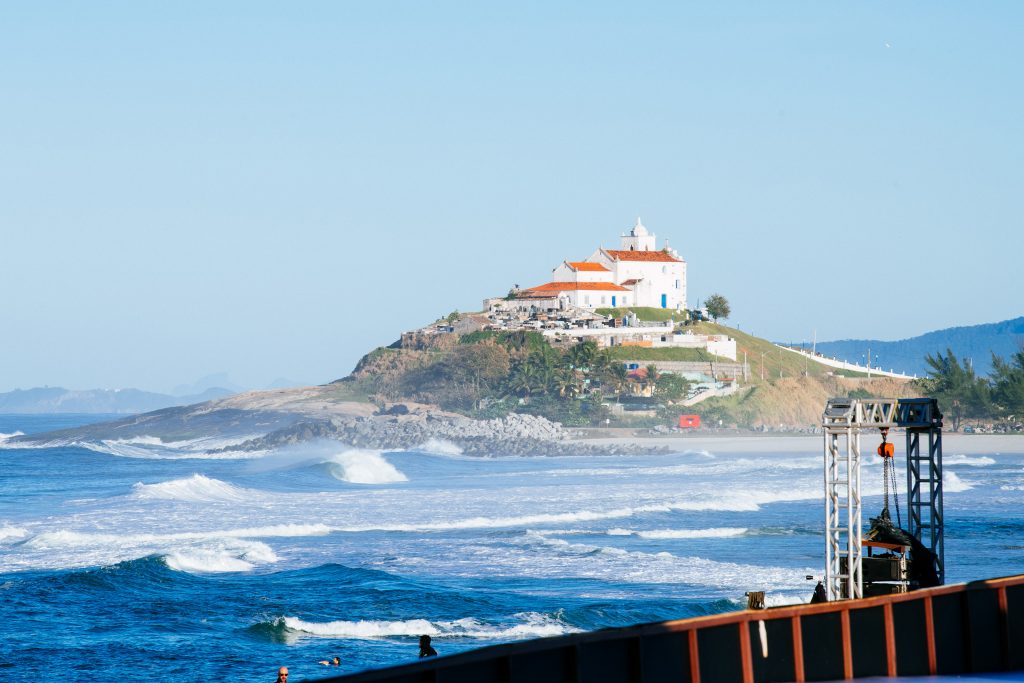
(270, 190)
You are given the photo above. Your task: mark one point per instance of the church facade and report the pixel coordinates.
(635, 274)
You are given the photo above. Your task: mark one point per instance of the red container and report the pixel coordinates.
(689, 421)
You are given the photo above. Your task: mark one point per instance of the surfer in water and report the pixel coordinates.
(333, 661)
(425, 649)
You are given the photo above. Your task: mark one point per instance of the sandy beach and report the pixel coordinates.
(966, 444)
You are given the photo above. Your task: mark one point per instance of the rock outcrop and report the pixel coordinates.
(397, 427)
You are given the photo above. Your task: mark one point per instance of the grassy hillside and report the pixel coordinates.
(644, 313)
(792, 401)
(777, 363)
(641, 353)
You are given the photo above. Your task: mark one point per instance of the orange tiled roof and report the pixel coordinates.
(553, 287)
(587, 266)
(623, 255)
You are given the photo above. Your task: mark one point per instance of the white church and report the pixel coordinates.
(636, 274)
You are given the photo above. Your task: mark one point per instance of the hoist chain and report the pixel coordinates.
(895, 493)
(889, 472)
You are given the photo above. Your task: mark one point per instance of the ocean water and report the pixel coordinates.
(137, 560)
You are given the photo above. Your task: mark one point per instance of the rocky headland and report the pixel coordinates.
(269, 420)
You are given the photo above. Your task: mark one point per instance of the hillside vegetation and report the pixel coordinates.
(793, 401)
(761, 354)
(645, 313)
(490, 374)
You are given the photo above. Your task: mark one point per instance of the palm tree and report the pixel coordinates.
(582, 355)
(567, 384)
(523, 379)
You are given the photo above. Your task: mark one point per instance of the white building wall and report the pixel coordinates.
(657, 278)
(564, 273)
(594, 299)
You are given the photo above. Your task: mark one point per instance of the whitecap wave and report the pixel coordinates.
(1004, 487)
(361, 466)
(720, 532)
(439, 447)
(738, 502)
(195, 489)
(67, 538)
(4, 437)
(951, 483)
(199, 551)
(529, 625)
(971, 461)
(10, 533)
(602, 562)
(154, 448)
(230, 558)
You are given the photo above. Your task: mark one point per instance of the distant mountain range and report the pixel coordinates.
(124, 401)
(975, 342)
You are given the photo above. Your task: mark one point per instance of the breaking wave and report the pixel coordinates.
(195, 489)
(603, 562)
(217, 560)
(4, 437)
(722, 532)
(439, 447)
(954, 484)
(972, 461)
(196, 552)
(359, 466)
(10, 533)
(530, 625)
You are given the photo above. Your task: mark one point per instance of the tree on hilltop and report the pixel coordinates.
(1008, 383)
(718, 307)
(959, 391)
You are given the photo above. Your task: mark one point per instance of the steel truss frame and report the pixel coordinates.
(843, 421)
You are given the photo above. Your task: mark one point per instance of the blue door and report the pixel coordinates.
(613, 301)
(664, 300)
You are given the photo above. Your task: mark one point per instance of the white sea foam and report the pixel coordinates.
(221, 551)
(4, 437)
(194, 489)
(721, 532)
(1004, 487)
(232, 556)
(439, 447)
(152, 448)
(360, 466)
(65, 538)
(10, 533)
(601, 562)
(951, 483)
(972, 461)
(530, 625)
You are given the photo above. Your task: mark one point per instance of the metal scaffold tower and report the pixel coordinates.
(843, 422)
